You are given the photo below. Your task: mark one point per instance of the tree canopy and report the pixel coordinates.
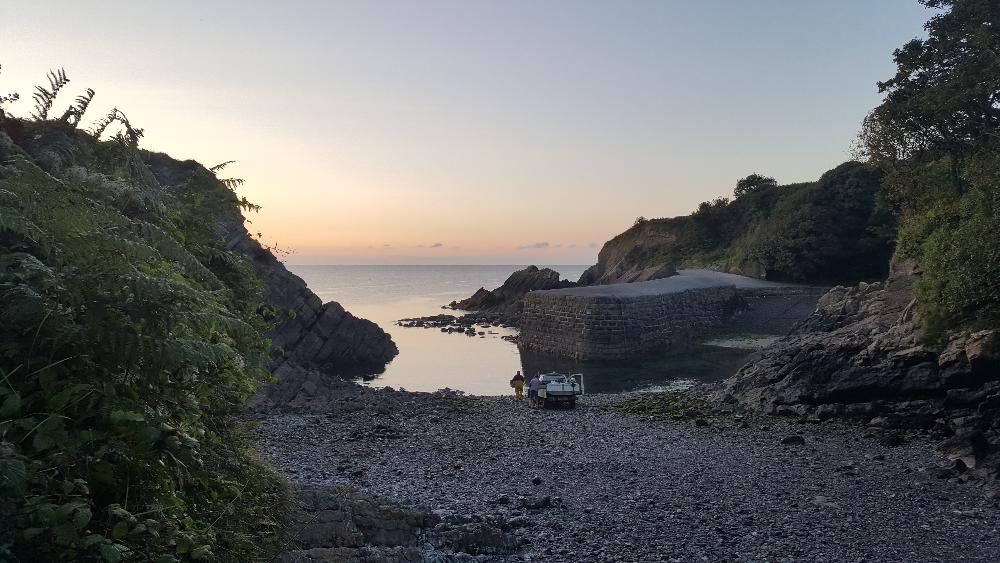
(945, 96)
(937, 136)
(752, 183)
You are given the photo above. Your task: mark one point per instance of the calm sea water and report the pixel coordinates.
(429, 360)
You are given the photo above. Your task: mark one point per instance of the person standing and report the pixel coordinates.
(518, 384)
(533, 386)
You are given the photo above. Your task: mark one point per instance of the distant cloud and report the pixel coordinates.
(592, 245)
(387, 246)
(437, 245)
(542, 244)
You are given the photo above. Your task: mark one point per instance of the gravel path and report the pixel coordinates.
(628, 489)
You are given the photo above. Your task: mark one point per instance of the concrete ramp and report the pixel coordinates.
(683, 281)
(622, 321)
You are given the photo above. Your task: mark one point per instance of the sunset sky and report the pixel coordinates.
(471, 132)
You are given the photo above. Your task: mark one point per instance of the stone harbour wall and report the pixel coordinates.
(617, 327)
(773, 310)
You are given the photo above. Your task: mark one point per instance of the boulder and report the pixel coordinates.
(506, 299)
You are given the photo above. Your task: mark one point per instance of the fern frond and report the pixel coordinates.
(246, 204)
(220, 166)
(20, 226)
(236, 329)
(74, 114)
(45, 97)
(104, 122)
(232, 183)
(57, 79)
(7, 98)
(169, 248)
(128, 137)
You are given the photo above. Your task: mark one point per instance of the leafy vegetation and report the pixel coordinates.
(838, 229)
(937, 136)
(752, 183)
(129, 336)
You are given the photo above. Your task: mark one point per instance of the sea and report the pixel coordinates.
(430, 360)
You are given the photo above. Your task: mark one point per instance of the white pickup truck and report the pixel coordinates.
(560, 390)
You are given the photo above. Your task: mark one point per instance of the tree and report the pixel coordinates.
(937, 135)
(753, 183)
(945, 96)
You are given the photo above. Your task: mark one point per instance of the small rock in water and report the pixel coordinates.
(536, 480)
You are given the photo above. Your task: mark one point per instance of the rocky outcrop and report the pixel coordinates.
(306, 334)
(315, 345)
(860, 356)
(310, 333)
(299, 389)
(508, 297)
(622, 273)
(617, 261)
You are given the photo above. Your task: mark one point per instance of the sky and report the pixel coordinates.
(471, 132)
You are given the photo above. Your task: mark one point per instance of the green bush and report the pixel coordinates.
(129, 336)
(955, 241)
(937, 136)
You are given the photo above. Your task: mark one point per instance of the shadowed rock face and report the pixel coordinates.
(313, 334)
(306, 334)
(614, 262)
(860, 356)
(507, 297)
(314, 344)
(624, 273)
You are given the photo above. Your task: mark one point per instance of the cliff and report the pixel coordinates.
(313, 334)
(132, 335)
(837, 229)
(304, 331)
(135, 313)
(313, 344)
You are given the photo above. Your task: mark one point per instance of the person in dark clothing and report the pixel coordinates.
(518, 384)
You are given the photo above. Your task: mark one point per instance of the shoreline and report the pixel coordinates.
(620, 486)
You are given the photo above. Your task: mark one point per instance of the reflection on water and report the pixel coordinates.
(429, 360)
(702, 364)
